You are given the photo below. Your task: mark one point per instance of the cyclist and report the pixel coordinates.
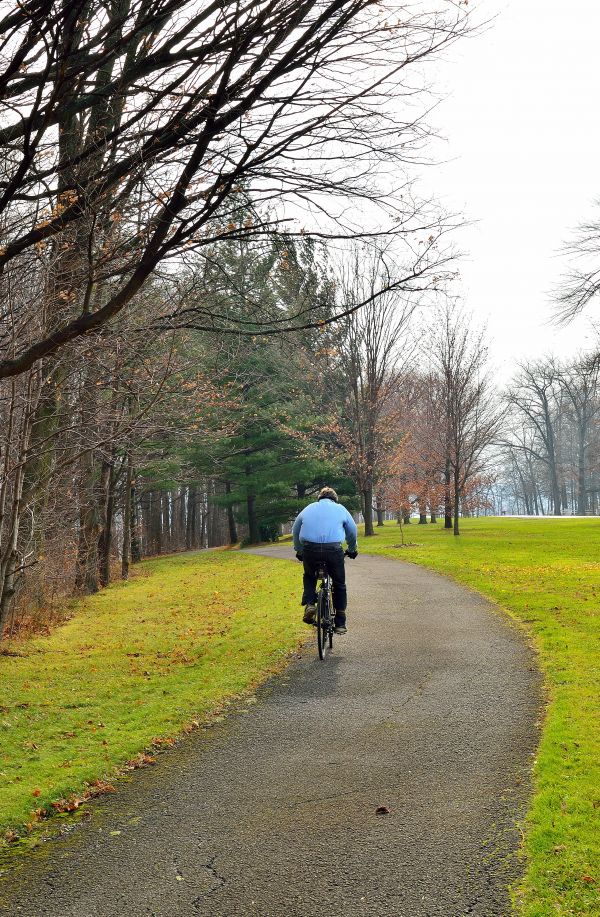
(318, 532)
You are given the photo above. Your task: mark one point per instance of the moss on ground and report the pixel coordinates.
(546, 573)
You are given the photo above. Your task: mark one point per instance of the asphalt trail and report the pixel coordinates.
(428, 706)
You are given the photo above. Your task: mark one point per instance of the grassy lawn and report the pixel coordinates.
(137, 664)
(546, 573)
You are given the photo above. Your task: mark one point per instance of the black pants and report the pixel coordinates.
(332, 555)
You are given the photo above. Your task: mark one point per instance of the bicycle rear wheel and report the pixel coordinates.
(330, 619)
(321, 623)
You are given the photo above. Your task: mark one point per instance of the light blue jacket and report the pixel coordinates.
(324, 522)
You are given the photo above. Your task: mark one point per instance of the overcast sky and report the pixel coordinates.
(521, 121)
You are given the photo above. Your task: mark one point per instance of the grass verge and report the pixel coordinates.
(546, 573)
(136, 664)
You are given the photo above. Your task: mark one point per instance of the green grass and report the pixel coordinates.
(140, 661)
(136, 663)
(546, 573)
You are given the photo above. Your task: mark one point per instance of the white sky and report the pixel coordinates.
(521, 121)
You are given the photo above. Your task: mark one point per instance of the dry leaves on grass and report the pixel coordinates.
(60, 806)
(141, 760)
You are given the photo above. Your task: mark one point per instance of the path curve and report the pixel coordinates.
(428, 706)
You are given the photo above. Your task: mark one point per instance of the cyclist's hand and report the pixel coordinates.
(352, 554)
(300, 557)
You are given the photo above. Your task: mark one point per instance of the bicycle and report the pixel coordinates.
(325, 619)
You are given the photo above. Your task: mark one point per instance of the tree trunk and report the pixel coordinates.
(165, 515)
(524, 489)
(563, 497)
(9, 555)
(7, 590)
(233, 535)
(143, 506)
(380, 510)
(155, 527)
(456, 506)
(86, 575)
(136, 547)
(447, 496)
(556, 497)
(406, 518)
(203, 527)
(181, 517)
(368, 509)
(581, 482)
(9, 558)
(433, 515)
(190, 527)
(105, 539)
(253, 529)
(127, 501)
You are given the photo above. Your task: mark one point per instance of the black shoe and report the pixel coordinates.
(310, 613)
(340, 629)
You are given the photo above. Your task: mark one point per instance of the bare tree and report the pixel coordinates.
(579, 381)
(581, 282)
(551, 439)
(535, 394)
(371, 345)
(472, 417)
(131, 128)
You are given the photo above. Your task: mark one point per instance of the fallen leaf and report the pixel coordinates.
(160, 741)
(141, 760)
(99, 787)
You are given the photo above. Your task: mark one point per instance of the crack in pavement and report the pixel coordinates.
(220, 880)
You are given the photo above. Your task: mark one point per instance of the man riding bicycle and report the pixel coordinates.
(318, 532)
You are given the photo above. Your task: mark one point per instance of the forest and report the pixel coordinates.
(201, 324)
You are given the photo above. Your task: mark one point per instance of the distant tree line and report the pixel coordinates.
(551, 447)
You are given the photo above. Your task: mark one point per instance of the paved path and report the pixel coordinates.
(427, 706)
